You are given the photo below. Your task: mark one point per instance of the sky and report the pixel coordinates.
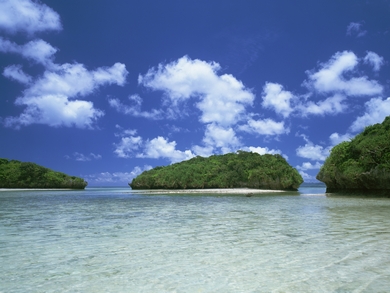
(105, 90)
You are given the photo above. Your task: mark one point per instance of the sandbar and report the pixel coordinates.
(209, 190)
(35, 189)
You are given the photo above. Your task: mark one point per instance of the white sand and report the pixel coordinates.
(34, 189)
(214, 190)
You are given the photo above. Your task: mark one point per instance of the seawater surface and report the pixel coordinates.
(114, 240)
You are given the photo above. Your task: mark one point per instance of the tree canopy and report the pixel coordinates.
(16, 174)
(241, 169)
(361, 163)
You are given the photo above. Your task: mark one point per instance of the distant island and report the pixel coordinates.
(362, 165)
(16, 174)
(232, 170)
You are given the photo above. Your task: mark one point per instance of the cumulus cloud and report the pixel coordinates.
(263, 151)
(331, 77)
(127, 146)
(115, 178)
(312, 151)
(38, 51)
(49, 99)
(355, 29)
(16, 73)
(307, 177)
(75, 80)
(336, 138)
(222, 98)
(276, 98)
(54, 110)
(156, 148)
(27, 16)
(332, 105)
(52, 98)
(264, 127)
(374, 60)
(376, 111)
(160, 147)
(223, 138)
(309, 166)
(135, 108)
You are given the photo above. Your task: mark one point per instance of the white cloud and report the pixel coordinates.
(307, 177)
(203, 151)
(125, 132)
(37, 50)
(160, 148)
(331, 77)
(84, 158)
(332, 105)
(135, 109)
(355, 28)
(309, 166)
(127, 146)
(55, 110)
(16, 73)
(312, 151)
(27, 16)
(220, 137)
(263, 151)
(275, 97)
(374, 60)
(222, 97)
(336, 138)
(48, 99)
(376, 111)
(115, 178)
(264, 127)
(75, 80)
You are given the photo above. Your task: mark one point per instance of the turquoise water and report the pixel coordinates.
(112, 240)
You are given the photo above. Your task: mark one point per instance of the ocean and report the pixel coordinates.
(117, 240)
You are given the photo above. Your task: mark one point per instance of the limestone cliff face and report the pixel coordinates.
(376, 181)
(362, 165)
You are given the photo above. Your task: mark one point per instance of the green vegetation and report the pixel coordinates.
(15, 174)
(241, 169)
(360, 164)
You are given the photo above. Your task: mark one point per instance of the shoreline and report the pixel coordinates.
(209, 191)
(36, 189)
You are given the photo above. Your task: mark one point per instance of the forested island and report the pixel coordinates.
(362, 165)
(232, 170)
(16, 174)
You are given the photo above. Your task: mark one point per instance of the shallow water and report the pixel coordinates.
(111, 240)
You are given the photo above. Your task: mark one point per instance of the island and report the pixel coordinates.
(16, 174)
(232, 170)
(360, 166)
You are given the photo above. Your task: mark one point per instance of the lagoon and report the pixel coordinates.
(116, 240)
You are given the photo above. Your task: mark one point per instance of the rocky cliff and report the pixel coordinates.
(362, 165)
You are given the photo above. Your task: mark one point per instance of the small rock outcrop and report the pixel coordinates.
(362, 165)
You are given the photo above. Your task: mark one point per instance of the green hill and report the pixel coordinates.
(233, 170)
(16, 174)
(361, 165)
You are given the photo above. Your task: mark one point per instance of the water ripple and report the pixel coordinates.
(105, 240)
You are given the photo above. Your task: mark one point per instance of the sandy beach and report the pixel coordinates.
(213, 190)
(35, 189)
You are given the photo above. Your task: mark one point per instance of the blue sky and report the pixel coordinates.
(107, 89)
